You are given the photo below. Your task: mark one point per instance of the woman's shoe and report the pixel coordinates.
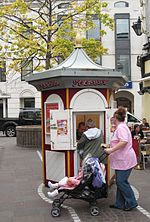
(115, 207)
(130, 208)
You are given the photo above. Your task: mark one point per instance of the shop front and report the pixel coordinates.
(74, 91)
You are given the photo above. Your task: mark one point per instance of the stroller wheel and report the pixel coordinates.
(94, 210)
(55, 212)
(56, 203)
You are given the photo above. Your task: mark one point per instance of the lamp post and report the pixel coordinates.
(137, 27)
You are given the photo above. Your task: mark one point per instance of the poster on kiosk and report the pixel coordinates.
(61, 130)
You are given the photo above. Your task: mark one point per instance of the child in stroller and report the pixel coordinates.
(89, 186)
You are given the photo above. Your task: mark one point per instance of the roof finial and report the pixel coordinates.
(78, 40)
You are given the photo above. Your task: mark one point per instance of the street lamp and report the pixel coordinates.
(137, 27)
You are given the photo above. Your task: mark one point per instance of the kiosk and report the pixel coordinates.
(74, 91)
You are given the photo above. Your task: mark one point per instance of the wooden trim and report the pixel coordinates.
(43, 148)
(68, 152)
(108, 96)
(67, 98)
(68, 163)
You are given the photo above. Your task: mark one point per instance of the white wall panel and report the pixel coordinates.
(55, 165)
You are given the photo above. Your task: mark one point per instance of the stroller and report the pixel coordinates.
(91, 187)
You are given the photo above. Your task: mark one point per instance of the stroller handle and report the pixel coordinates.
(103, 146)
(104, 155)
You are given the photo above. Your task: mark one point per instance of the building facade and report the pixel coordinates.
(123, 48)
(145, 58)
(16, 94)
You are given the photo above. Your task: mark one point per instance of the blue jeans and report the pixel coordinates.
(125, 196)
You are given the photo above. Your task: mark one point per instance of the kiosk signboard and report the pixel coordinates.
(60, 129)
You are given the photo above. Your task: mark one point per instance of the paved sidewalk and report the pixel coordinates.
(21, 176)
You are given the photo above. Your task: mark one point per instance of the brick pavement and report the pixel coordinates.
(20, 177)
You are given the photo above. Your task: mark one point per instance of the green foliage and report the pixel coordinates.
(93, 48)
(39, 31)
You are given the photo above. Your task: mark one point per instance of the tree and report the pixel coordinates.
(44, 31)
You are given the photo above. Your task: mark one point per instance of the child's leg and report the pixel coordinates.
(53, 185)
(52, 194)
(63, 181)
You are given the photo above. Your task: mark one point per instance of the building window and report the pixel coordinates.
(2, 71)
(1, 108)
(63, 5)
(123, 64)
(27, 30)
(27, 103)
(26, 64)
(26, 68)
(122, 44)
(121, 4)
(60, 21)
(122, 28)
(145, 65)
(122, 101)
(95, 31)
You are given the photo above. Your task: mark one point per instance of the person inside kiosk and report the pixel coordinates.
(80, 130)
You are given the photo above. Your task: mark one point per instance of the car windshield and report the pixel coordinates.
(132, 119)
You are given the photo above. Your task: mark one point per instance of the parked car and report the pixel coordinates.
(132, 120)
(26, 117)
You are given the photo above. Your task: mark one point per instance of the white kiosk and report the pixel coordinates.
(74, 91)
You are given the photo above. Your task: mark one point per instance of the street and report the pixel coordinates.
(23, 198)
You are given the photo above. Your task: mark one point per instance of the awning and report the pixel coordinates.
(144, 79)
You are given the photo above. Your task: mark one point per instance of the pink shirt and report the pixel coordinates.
(125, 157)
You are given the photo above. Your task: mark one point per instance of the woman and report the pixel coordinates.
(137, 133)
(145, 124)
(122, 160)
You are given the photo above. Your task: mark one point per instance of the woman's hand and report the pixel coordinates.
(108, 150)
(104, 145)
